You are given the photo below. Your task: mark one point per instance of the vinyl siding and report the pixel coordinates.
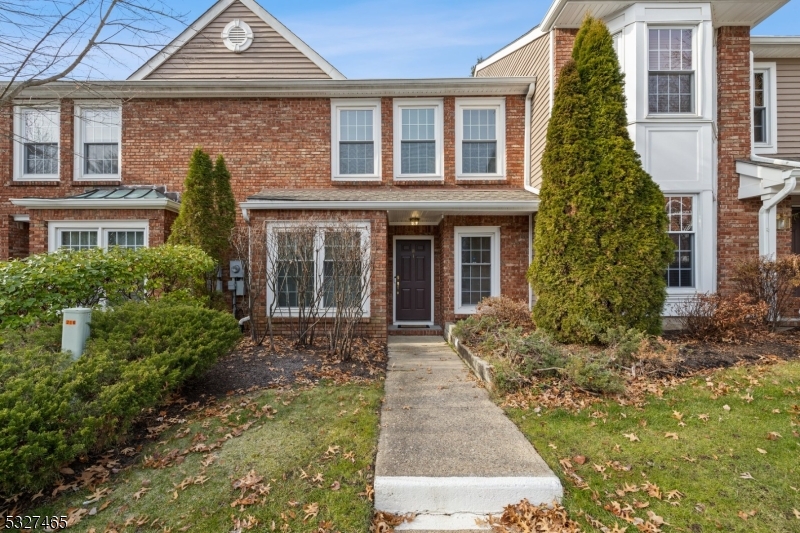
(269, 57)
(532, 59)
(788, 106)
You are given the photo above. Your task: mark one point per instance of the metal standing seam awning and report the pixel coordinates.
(428, 205)
(113, 198)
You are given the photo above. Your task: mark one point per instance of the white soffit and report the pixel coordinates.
(210, 15)
(570, 13)
(76, 203)
(775, 47)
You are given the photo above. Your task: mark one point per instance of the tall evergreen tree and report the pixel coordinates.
(197, 216)
(601, 245)
(225, 206)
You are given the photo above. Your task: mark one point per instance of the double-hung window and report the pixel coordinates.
(681, 214)
(319, 267)
(84, 235)
(477, 266)
(671, 76)
(356, 136)
(480, 136)
(418, 145)
(98, 131)
(36, 138)
(765, 115)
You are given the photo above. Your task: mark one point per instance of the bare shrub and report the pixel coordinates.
(722, 318)
(772, 282)
(507, 311)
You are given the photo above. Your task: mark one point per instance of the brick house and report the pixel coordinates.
(441, 175)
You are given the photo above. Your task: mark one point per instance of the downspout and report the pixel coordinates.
(528, 112)
(527, 177)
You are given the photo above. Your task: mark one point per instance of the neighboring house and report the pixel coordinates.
(716, 129)
(441, 174)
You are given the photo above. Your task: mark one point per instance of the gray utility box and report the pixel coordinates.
(75, 324)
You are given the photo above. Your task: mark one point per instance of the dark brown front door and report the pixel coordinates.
(796, 230)
(413, 280)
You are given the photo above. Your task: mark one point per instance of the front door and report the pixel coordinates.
(413, 282)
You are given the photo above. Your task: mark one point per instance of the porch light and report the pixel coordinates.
(414, 221)
(784, 221)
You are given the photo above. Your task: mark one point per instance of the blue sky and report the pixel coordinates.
(420, 38)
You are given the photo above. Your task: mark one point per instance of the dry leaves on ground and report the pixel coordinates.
(386, 522)
(527, 517)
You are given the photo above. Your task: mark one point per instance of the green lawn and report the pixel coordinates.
(728, 446)
(304, 464)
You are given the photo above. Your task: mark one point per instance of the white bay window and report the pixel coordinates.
(671, 77)
(87, 234)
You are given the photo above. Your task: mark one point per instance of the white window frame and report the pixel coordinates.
(79, 140)
(475, 231)
(770, 71)
(55, 227)
(353, 104)
(319, 260)
(19, 144)
(419, 103)
(695, 112)
(499, 106)
(696, 282)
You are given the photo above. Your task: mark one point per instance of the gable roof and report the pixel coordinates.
(199, 53)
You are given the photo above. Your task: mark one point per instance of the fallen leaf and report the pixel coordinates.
(141, 492)
(796, 513)
(67, 471)
(673, 436)
(311, 510)
(746, 475)
(631, 436)
(335, 485)
(773, 435)
(761, 450)
(579, 459)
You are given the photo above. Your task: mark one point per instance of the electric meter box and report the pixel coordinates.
(75, 331)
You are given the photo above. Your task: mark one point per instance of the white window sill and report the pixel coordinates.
(357, 177)
(37, 177)
(765, 149)
(470, 310)
(99, 177)
(419, 177)
(481, 177)
(673, 116)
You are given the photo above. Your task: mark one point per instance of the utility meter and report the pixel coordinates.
(236, 283)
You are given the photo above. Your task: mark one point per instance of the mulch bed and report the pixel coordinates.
(698, 355)
(250, 367)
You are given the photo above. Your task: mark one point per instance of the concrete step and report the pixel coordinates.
(446, 452)
(430, 331)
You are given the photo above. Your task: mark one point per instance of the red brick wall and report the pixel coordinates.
(737, 227)
(514, 258)
(375, 325)
(266, 142)
(18, 239)
(157, 227)
(564, 41)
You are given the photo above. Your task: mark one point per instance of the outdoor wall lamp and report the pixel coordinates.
(414, 221)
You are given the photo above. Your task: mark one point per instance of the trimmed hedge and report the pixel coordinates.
(36, 289)
(53, 410)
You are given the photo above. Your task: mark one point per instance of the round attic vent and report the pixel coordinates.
(237, 36)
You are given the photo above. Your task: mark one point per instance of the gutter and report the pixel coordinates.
(523, 206)
(68, 203)
(528, 104)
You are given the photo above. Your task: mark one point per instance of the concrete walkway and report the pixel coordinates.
(446, 451)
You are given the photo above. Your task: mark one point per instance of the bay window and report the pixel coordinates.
(681, 215)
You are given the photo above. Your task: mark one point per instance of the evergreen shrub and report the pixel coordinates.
(601, 243)
(54, 410)
(37, 288)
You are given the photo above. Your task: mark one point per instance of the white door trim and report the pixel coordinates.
(395, 322)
